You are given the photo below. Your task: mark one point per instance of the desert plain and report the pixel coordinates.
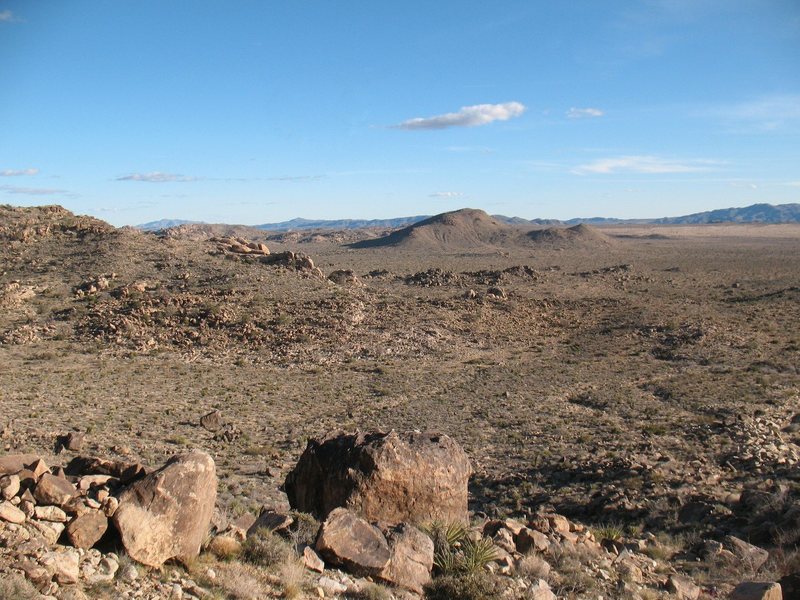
(639, 378)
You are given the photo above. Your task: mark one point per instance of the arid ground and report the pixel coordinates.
(640, 376)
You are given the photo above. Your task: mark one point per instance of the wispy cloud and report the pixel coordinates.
(481, 149)
(584, 113)
(18, 172)
(468, 116)
(10, 189)
(766, 114)
(446, 195)
(643, 164)
(6, 16)
(158, 177)
(296, 178)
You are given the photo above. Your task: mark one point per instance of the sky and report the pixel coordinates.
(256, 111)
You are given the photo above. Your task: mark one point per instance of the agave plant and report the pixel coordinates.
(456, 552)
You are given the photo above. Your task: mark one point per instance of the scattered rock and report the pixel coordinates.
(166, 514)
(212, 421)
(11, 514)
(411, 558)
(347, 540)
(84, 531)
(9, 486)
(53, 490)
(683, 587)
(312, 561)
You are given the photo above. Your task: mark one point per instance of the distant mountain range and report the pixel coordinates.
(757, 213)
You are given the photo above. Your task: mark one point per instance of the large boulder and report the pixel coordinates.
(167, 513)
(751, 590)
(385, 477)
(14, 463)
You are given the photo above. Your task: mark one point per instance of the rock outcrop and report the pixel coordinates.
(386, 477)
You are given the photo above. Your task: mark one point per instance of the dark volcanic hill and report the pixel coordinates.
(467, 228)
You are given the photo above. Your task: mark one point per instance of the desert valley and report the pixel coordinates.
(627, 398)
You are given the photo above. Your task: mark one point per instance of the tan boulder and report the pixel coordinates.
(349, 541)
(751, 590)
(411, 559)
(683, 587)
(10, 513)
(50, 513)
(13, 463)
(53, 490)
(167, 513)
(62, 566)
(312, 561)
(386, 477)
(85, 530)
(212, 421)
(9, 486)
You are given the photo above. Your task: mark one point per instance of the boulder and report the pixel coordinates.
(53, 490)
(13, 463)
(411, 559)
(349, 541)
(751, 590)
(85, 530)
(272, 520)
(87, 465)
(683, 587)
(312, 561)
(50, 513)
(386, 477)
(9, 486)
(212, 421)
(63, 567)
(752, 556)
(167, 513)
(10, 513)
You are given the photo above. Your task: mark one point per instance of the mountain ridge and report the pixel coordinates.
(754, 213)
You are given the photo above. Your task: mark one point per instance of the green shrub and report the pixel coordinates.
(455, 552)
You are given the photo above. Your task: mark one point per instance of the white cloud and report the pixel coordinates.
(6, 16)
(17, 172)
(446, 195)
(157, 177)
(9, 189)
(468, 116)
(584, 113)
(642, 164)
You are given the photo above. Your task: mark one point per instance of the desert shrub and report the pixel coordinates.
(266, 549)
(17, 587)
(371, 591)
(611, 532)
(304, 529)
(291, 577)
(456, 552)
(533, 567)
(473, 586)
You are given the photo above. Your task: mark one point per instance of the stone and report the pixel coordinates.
(50, 513)
(35, 572)
(48, 530)
(558, 523)
(752, 556)
(9, 486)
(110, 506)
(212, 421)
(411, 559)
(312, 561)
(38, 468)
(126, 472)
(331, 586)
(347, 540)
(64, 567)
(73, 441)
(85, 530)
(11, 514)
(14, 463)
(386, 477)
(272, 520)
(683, 587)
(129, 574)
(540, 590)
(167, 513)
(751, 590)
(504, 539)
(529, 539)
(88, 482)
(53, 490)
(27, 479)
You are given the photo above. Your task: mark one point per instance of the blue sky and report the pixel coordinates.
(255, 111)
